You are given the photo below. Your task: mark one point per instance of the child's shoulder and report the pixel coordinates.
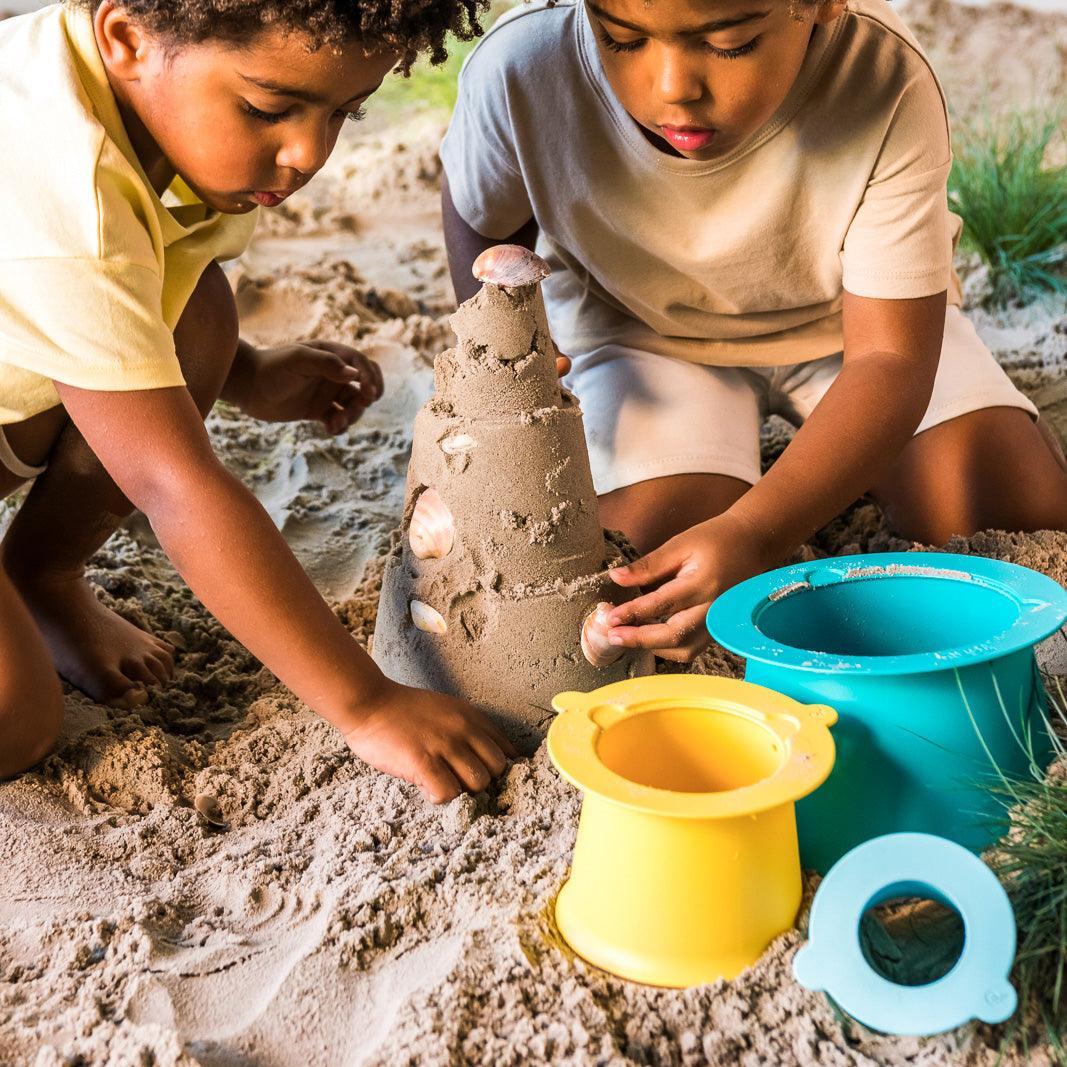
(878, 36)
(48, 190)
(528, 37)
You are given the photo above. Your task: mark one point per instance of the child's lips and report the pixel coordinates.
(269, 199)
(688, 138)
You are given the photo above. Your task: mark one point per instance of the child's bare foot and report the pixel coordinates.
(97, 651)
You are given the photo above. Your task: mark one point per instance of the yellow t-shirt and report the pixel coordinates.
(737, 261)
(95, 268)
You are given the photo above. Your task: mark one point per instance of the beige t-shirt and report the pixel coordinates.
(95, 268)
(739, 261)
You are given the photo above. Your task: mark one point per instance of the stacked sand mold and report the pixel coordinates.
(491, 591)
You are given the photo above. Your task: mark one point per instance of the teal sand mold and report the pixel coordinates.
(929, 660)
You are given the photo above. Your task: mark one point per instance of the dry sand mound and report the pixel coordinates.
(337, 918)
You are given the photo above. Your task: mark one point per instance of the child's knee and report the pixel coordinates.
(206, 337)
(30, 720)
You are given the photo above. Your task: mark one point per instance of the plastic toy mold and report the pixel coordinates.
(686, 864)
(928, 659)
(919, 865)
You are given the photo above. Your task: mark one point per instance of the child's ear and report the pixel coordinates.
(123, 45)
(829, 10)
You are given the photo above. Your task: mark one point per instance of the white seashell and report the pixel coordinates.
(428, 619)
(432, 531)
(207, 807)
(595, 645)
(455, 443)
(510, 266)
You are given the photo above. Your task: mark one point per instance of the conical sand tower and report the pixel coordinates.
(491, 592)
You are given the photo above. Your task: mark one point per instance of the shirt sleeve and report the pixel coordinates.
(479, 152)
(90, 323)
(900, 241)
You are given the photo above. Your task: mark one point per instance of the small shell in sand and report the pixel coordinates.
(595, 645)
(207, 807)
(427, 619)
(455, 443)
(510, 266)
(432, 531)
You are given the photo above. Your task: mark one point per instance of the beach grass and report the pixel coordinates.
(1013, 202)
(430, 88)
(1031, 862)
(427, 88)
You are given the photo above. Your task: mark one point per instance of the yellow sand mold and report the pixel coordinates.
(686, 864)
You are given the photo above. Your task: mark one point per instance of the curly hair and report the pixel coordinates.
(410, 27)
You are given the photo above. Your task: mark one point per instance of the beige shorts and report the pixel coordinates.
(648, 416)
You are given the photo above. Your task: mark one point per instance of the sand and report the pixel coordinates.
(339, 919)
(508, 562)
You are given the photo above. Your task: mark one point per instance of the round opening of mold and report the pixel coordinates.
(690, 750)
(911, 935)
(888, 615)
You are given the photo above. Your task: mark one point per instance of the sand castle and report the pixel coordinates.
(493, 590)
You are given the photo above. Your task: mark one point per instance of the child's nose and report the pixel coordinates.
(680, 80)
(305, 149)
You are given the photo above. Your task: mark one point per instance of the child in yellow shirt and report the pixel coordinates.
(141, 136)
(744, 206)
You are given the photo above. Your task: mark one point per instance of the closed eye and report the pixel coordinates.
(734, 53)
(263, 116)
(619, 46)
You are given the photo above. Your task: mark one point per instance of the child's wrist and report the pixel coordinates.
(362, 706)
(764, 540)
(238, 384)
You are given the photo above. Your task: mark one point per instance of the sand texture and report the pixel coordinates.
(336, 918)
(500, 471)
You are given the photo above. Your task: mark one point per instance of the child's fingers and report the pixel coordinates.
(498, 738)
(470, 770)
(352, 403)
(354, 367)
(437, 782)
(651, 607)
(687, 652)
(490, 754)
(656, 637)
(658, 564)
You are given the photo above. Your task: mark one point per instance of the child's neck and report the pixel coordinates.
(153, 162)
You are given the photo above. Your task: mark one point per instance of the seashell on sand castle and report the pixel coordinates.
(495, 587)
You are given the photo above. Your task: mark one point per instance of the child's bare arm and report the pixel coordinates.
(465, 244)
(154, 445)
(854, 434)
(891, 352)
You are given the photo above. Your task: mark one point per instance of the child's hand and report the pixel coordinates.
(320, 380)
(689, 571)
(441, 744)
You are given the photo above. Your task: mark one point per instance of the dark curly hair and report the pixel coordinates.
(410, 27)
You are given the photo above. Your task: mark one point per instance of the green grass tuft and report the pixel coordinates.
(428, 88)
(432, 88)
(1014, 203)
(1031, 862)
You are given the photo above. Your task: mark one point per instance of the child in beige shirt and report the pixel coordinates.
(743, 202)
(141, 137)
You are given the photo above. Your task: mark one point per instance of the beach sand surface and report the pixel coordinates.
(336, 918)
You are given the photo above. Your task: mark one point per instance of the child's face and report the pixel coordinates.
(700, 76)
(241, 125)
